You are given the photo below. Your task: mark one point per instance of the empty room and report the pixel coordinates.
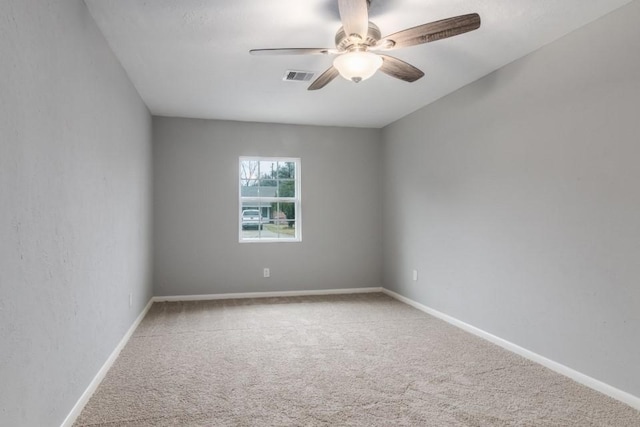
(319, 213)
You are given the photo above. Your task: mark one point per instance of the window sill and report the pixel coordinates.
(270, 241)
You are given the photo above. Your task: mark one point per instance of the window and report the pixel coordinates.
(269, 200)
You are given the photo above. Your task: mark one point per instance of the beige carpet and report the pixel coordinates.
(353, 360)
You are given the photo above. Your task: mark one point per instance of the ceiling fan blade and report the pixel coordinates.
(294, 51)
(355, 17)
(324, 79)
(431, 32)
(400, 69)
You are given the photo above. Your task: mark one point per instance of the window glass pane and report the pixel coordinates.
(284, 218)
(286, 188)
(268, 169)
(288, 209)
(251, 219)
(286, 233)
(283, 224)
(269, 230)
(286, 170)
(249, 170)
(267, 182)
(248, 189)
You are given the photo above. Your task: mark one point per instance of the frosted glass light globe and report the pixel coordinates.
(357, 66)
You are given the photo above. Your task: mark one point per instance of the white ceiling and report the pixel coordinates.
(190, 58)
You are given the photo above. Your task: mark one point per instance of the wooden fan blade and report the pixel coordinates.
(400, 69)
(432, 31)
(324, 79)
(355, 17)
(294, 51)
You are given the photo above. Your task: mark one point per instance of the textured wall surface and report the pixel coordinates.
(196, 249)
(519, 204)
(75, 164)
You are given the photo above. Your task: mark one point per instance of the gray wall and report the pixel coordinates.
(196, 249)
(518, 200)
(75, 153)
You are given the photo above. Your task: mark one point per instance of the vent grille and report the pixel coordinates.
(297, 76)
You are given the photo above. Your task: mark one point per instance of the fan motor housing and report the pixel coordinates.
(345, 43)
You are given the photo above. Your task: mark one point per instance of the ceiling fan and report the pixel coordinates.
(358, 39)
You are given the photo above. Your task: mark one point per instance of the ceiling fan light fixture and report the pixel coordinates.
(357, 66)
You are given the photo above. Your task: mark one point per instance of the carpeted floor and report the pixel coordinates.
(354, 360)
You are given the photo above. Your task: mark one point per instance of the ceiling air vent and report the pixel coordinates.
(297, 76)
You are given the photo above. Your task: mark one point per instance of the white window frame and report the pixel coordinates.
(296, 200)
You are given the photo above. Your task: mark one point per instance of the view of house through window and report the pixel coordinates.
(269, 199)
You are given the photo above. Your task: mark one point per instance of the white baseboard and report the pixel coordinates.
(77, 408)
(174, 298)
(579, 377)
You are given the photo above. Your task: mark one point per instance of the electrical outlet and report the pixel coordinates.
(415, 275)
(130, 300)
(266, 272)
